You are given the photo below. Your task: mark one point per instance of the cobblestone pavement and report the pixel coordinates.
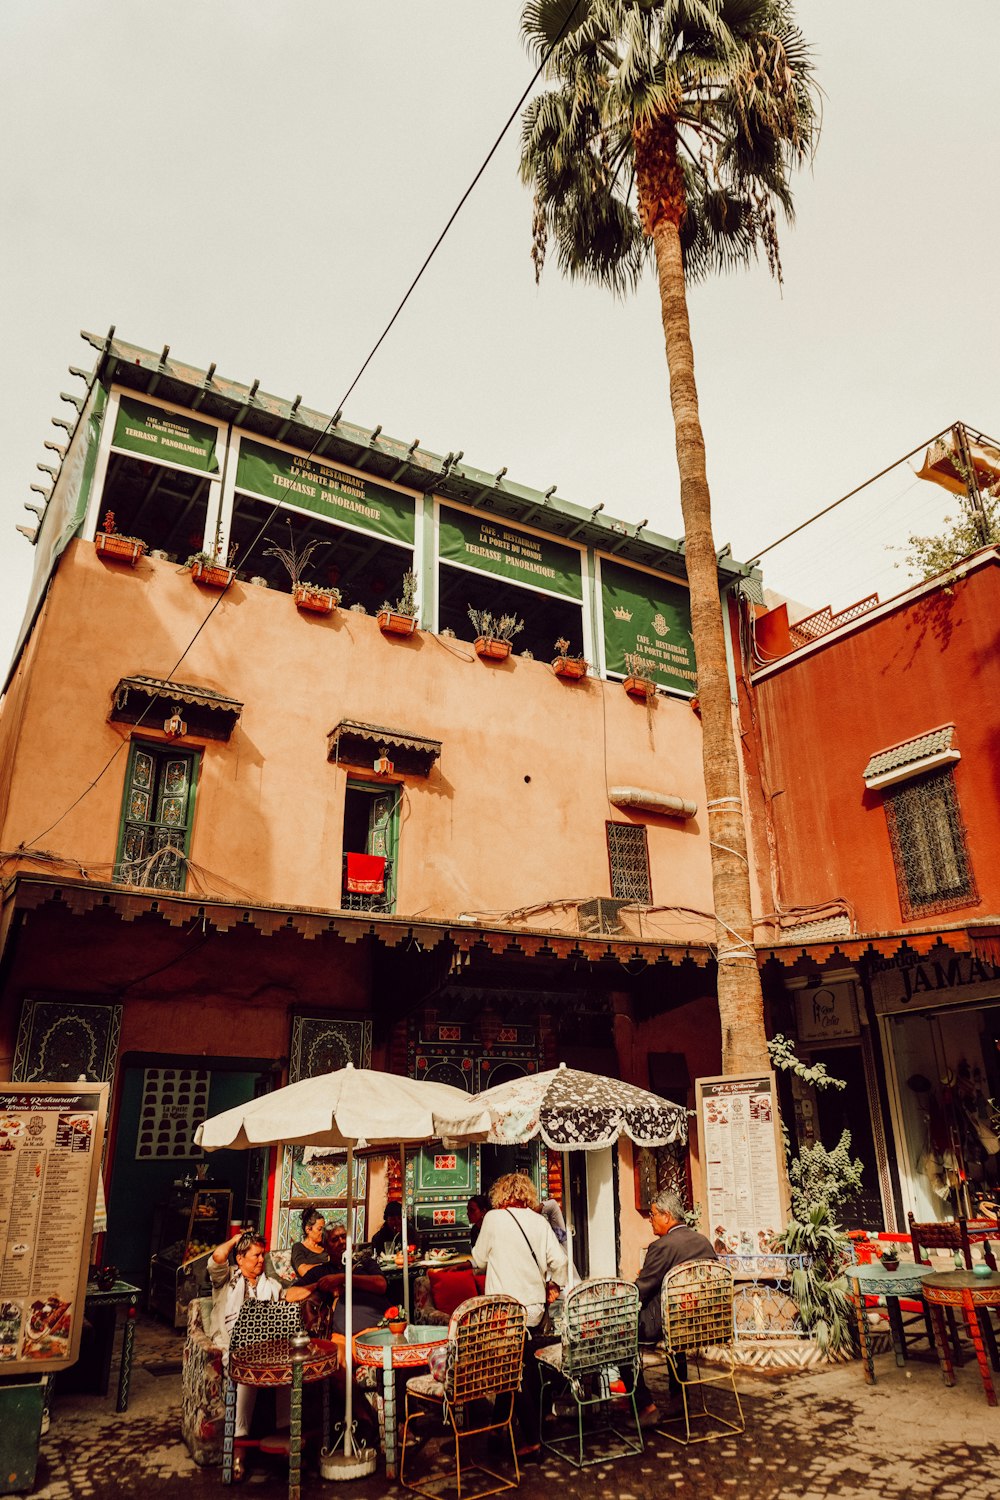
(811, 1436)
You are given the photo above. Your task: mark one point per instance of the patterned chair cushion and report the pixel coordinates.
(203, 1395)
(425, 1385)
(551, 1354)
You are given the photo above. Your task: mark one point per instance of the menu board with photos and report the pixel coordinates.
(745, 1192)
(51, 1136)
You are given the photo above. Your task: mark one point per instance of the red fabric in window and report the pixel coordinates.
(366, 873)
(449, 1288)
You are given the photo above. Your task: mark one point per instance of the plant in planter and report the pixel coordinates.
(312, 597)
(394, 1319)
(494, 636)
(208, 568)
(638, 681)
(401, 618)
(111, 543)
(571, 668)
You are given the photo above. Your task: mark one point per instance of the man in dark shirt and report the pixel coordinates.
(674, 1245)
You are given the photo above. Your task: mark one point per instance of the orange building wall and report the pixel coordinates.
(513, 813)
(932, 661)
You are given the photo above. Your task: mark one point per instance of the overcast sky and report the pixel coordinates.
(256, 184)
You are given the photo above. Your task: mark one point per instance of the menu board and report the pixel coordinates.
(51, 1136)
(745, 1190)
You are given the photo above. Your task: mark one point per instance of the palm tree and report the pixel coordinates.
(668, 135)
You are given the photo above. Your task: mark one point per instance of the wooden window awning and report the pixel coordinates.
(925, 752)
(358, 744)
(152, 699)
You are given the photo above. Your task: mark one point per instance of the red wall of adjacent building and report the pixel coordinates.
(934, 659)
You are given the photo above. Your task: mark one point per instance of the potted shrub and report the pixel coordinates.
(395, 1320)
(401, 618)
(314, 598)
(637, 683)
(110, 543)
(208, 569)
(494, 637)
(572, 668)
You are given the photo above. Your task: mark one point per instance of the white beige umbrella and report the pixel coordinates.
(352, 1108)
(576, 1111)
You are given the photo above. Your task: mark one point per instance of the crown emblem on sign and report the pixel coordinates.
(621, 613)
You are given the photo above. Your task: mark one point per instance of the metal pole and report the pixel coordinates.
(349, 1309)
(568, 1215)
(406, 1257)
(968, 474)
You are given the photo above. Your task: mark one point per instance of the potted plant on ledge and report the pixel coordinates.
(208, 569)
(401, 618)
(314, 598)
(110, 543)
(494, 637)
(572, 668)
(638, 683)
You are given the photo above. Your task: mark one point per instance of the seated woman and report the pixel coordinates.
(310, 1251)
(476, 1211)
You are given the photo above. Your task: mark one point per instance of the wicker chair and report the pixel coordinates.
(697, 1305)
(600, 1334)
(271, 1323)
(484, 1363)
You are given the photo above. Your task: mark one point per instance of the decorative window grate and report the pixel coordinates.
(629, 861)
(928, 845)
(156, 818)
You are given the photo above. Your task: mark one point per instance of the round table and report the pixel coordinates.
(964, 1290)
(875, 1281)
(379, 1349)
(276, 1362)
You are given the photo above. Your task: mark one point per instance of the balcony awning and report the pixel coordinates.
(357, 744)
(208, 713)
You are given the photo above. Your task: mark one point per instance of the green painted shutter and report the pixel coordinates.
(156, 814)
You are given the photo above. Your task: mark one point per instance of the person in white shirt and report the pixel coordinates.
(521, 1256)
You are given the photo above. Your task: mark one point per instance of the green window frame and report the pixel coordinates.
(156, 815)
(382, 838)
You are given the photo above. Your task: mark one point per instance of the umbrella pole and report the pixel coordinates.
(568, 1215)
(406, 1257)
(349, 1310)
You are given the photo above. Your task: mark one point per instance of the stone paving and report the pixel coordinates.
(809, 1435)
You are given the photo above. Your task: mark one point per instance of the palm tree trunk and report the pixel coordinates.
(741, 1007)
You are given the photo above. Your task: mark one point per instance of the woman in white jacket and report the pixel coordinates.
(521, 1255)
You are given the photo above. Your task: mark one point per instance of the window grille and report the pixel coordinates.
(629, 860)
(928, 845)
(156, 819)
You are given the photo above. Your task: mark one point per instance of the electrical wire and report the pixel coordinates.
(340, 405)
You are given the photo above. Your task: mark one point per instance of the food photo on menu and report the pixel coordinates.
(73, 1132)
(11, 1314)
(48, 1331)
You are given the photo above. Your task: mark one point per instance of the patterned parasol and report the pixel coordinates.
(576, 1111)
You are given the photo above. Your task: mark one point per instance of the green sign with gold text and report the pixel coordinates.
(173, 437)
(491, 546)
(650, 617)
(335, 493)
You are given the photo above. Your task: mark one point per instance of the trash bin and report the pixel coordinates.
(21, 1402)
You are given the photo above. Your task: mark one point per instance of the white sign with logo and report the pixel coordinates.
(827, 1013)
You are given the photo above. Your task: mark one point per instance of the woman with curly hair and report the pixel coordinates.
(521, 1256)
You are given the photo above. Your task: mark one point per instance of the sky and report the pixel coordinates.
(257, 185)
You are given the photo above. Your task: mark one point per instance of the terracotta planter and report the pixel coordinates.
(570, 667)
(393, 624)
(398, 1327)
(491, 650)
(640, 688)
(121, 548)
(314, 601)
(212, 575)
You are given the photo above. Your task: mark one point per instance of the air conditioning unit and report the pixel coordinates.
(601, 917)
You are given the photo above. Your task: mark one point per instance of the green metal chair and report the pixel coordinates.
(697, 1303)
(599, 1345)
